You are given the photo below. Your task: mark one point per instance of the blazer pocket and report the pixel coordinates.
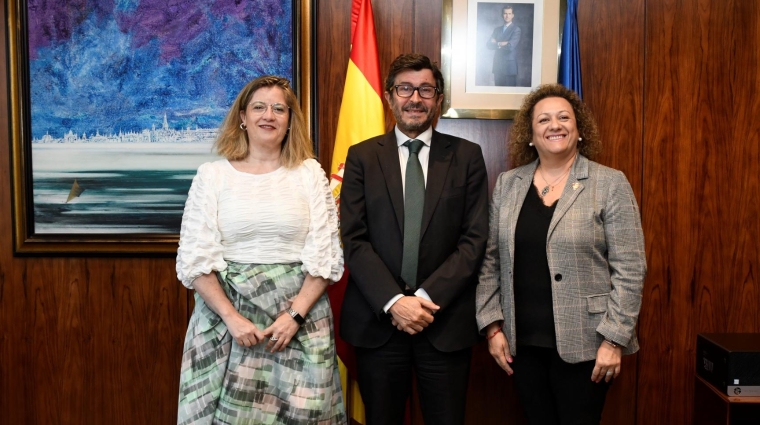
(597, 303)
(453, 192)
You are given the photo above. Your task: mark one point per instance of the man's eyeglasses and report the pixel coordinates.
(426, 92)
(259, 108)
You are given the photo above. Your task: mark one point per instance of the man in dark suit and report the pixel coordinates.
(504, 41)
(414, 223)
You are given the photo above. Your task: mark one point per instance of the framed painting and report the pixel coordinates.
(494, 52)
(114, 105)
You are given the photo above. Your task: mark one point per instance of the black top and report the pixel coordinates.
(534, 316)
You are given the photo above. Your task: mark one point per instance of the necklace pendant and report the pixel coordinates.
(544, 191)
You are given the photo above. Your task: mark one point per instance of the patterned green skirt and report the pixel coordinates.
(222, 382)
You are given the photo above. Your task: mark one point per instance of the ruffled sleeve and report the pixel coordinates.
(200, 249)
(322, 254)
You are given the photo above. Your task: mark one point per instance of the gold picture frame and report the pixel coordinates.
(466, 62)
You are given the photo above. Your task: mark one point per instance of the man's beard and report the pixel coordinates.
(415, 126)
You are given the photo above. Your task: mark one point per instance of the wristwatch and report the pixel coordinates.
(297, 317)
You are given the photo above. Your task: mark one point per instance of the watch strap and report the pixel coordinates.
(297, 317)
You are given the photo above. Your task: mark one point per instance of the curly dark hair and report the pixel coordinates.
(522, 129)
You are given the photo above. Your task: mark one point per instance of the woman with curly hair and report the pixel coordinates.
(560, 287)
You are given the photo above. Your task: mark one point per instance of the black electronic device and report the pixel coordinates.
(730, 362)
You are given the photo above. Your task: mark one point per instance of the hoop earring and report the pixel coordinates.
(243, 126)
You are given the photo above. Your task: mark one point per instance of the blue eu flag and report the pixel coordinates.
(570, 58)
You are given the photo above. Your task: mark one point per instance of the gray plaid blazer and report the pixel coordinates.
(595, 249)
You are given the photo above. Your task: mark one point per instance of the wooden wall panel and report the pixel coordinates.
(611, 38)
(701, 167)
(94, 340)
(491, 135)
(333, 29)
(13, 405)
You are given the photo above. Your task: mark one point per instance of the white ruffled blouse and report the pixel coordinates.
(285, 216)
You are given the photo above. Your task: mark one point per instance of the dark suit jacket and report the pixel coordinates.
(453, 236)
(505, 58)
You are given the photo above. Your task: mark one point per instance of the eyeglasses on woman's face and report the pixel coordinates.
(259, 108)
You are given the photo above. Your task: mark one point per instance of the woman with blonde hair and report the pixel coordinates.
(259, 245)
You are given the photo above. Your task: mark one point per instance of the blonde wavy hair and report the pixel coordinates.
(521, 134)
(232, 142)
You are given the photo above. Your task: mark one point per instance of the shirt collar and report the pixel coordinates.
(425, 137)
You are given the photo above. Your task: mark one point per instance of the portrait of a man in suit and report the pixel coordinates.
(414, 222)
(504, 41)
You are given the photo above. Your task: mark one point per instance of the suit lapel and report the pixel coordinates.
(438, 166)
(506, 35)
(516, 200)
(389, 164)
(573, 187)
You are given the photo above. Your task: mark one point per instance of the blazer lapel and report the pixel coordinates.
(509, 31)
(516, 199)
(438, 166)
(505, 35)
(573, 187)
(389, 164)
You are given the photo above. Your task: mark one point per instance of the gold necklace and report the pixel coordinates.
(550, 186)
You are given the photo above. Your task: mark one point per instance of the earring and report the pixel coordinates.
(530, 144)
(243, 126)
(580, 139)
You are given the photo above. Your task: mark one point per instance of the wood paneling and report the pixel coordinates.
(91, 340)
(491, 135)
(700, 209)
(611, 38)
(333, 29)
(612, 59)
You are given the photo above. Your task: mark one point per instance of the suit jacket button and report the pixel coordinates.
(558, 277)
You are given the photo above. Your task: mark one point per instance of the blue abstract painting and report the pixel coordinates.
(126, 97)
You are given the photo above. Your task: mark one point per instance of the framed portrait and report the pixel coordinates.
(114, 105)
(494, 52)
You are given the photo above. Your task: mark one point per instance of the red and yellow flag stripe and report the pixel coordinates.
(361, 117)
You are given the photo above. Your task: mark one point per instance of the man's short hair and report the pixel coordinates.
(415, 62)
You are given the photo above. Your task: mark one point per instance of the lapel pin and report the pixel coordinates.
(576, 185)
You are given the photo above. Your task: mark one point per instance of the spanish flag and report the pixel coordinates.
(361, 117)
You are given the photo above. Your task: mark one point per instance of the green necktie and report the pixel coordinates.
(414, 202)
